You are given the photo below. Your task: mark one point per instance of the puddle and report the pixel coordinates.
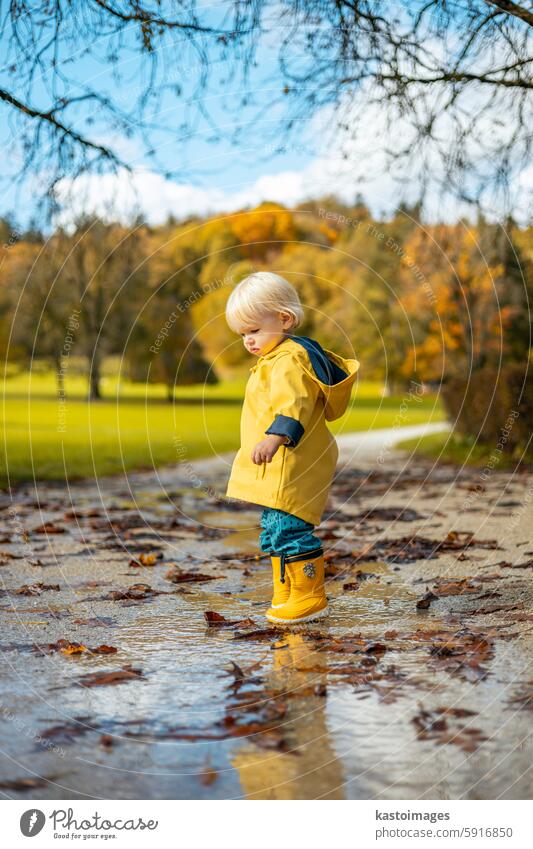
(311, 729)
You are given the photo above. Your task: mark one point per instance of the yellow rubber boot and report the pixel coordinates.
(307, 599)
(281, 591)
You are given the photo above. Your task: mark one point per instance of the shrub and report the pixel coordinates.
(494, 406)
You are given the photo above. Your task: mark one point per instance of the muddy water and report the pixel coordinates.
(170, 734)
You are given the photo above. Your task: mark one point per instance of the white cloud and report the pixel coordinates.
(347, 164)
(120, 196)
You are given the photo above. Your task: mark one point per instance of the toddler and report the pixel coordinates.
(288, 456)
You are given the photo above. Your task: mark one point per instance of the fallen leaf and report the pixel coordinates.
(116, 676)
(458, 586)
(25, 783)
(136, 592)
(216, 620)
(178, 576)
(35, 589)
(209, 776)
(456, 711)
(259, 634)
(523, 700)
(424, 602)
(431, 726)
(49, 528)
(528, 564)
(145, 559)
(73, 648)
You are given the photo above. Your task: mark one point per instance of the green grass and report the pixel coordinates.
(138, 430)
(460, 450)
(42, 384)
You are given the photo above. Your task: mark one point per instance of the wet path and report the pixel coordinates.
(382, 700)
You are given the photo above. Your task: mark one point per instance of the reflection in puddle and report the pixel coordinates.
(245, 525)
(315, 727)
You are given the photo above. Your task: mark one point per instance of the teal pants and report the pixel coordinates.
(283, 532)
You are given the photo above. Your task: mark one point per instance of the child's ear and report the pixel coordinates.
(287, 319)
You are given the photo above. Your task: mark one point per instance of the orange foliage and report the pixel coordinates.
(453, 302)
(262, 229)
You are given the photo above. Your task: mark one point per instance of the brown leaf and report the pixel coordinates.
(259, 634)
(147, 559)
(495, 608)
(216, 620)
(178, 576)
(116, 676)
(49, 528)
(523, 700)
(136, 592)
(432, 727)
(73, 648)
(36, 589)
(460, 712)
(209, 776)
(25, 783)
(455, 587)
(348, 644)
(65, 732)
(528, 564)
(424, 602)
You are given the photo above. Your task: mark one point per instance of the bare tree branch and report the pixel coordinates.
(425, 62)
(49, 117)
(513, 9)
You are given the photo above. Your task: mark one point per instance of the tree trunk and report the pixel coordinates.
(94, 383)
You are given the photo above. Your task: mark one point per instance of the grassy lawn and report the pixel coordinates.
(461, 450)
(133, 428)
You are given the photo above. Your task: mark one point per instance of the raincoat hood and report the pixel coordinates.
(335, 375)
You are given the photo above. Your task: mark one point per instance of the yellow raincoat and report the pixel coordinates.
(292, 390)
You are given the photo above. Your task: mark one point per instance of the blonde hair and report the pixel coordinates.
(259, 294)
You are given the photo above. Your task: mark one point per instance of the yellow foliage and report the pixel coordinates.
(263, 228)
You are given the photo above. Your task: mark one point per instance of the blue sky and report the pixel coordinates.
(212, 166)
(213, 175)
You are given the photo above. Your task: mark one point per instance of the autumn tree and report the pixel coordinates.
(36, 303)
(162, 346)
(105, 272)
(469, 305)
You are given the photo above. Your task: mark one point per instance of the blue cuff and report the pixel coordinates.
(286, 426)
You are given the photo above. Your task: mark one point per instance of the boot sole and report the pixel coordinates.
(311, 618)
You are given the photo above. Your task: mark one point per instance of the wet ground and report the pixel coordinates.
(418, 685)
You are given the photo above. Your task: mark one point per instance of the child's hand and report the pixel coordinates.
(265, 450)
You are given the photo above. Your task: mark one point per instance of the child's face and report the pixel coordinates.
(262, 337)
